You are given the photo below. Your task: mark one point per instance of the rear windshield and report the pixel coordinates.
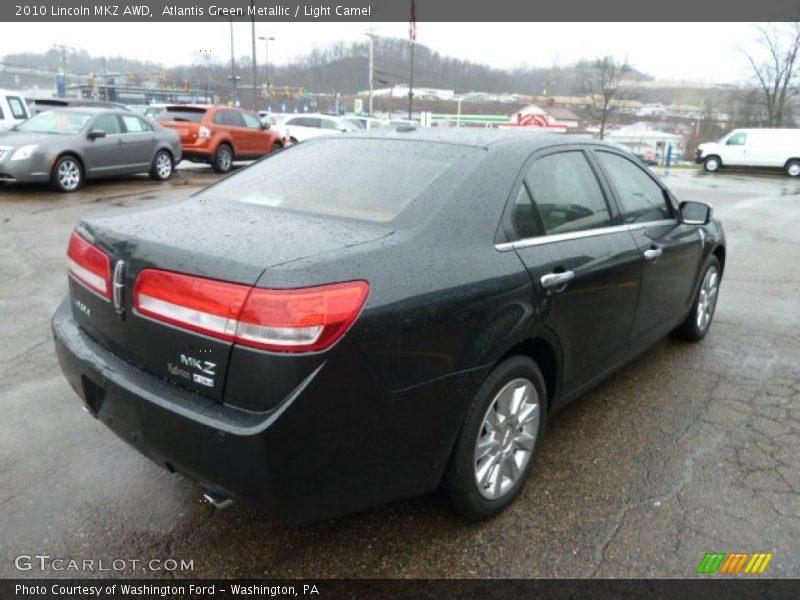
(366, 179)
(181, 114)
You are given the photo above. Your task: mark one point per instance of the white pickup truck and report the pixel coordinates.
(774, 148)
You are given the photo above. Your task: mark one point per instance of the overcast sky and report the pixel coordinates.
(706, 52)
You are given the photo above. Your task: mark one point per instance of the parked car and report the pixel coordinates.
(363, 122)
(67, 146)
(153, 110)
(367, 317)
(220, 135)
(42, 104)
(13, 109)
(774, 148)
(300, 128)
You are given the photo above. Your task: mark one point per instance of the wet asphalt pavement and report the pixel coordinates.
(690, 449)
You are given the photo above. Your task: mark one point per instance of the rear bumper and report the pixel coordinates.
(338, 443)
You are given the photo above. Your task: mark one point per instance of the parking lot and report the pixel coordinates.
(689, 449)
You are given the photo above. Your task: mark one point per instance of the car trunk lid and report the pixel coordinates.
(214, 241)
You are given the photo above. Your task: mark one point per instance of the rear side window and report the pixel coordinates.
(523, 215)
(234, 118)
(304, 122)
(135, 124)
(17, 107)
(641, 199)
(567, 194)
(179, 114)
(372, 180)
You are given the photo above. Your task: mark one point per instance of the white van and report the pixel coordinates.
(776, 148)
(13, 109)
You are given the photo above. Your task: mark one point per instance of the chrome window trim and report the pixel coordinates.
(575, 235)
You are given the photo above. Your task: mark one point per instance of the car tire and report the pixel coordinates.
(497, 446)
(792, 168)
(276, 147)
(712, 164)
(293, 140)
(67, 175)
(698, 321)
(223, 159)
(162, 166)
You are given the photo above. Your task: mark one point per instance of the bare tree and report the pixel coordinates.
(603, 84)
(776, 72)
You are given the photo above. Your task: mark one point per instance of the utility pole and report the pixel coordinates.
(371, 35)
(411, 84)
(412, 40)
(233, 67)
(253, 39)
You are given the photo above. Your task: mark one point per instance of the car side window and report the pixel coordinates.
(250, 121)
(737, 139)
(221, 118)
(234, 118)
(134, 124)
(641, 199)
(108, 123)
(329, 124)
(523, 215)
(566, 193)
(17, 107)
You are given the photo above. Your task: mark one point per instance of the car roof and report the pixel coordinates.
(478, 137)
(200, 107)
(92, 110)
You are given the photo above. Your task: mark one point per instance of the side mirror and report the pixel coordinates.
(695, 213)
(264, 125)
(96, 133)
(343, 129)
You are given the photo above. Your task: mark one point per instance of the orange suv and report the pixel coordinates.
(218, 135)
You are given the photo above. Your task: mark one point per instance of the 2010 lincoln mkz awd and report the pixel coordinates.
(367, 317)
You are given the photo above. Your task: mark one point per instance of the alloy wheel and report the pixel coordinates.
(163, 166)
(224, 158)
(707, 299)
(69, 174)
(506, 439)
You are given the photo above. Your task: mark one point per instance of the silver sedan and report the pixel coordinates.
(68, 146)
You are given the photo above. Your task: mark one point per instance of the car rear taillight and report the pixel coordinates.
(89, 265)
(294, 320)
(204, 132)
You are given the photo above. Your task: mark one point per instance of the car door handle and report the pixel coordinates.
(557, 280)
(653, 253)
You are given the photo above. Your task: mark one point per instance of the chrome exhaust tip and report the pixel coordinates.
(217, 500)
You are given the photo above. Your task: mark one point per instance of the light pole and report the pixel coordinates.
(253, 50)
(266, 39)
(371, 35)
